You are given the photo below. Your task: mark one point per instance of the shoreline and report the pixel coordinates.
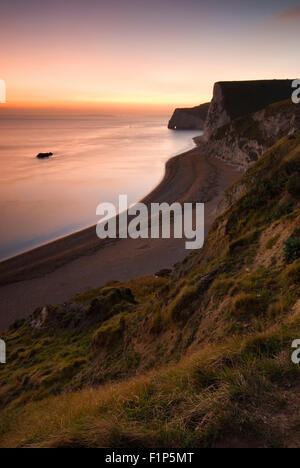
(92, 225)
(57, 271)
(81, 237)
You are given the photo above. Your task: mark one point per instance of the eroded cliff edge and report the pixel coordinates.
(246, 118)
(234, 99)
(189, 118)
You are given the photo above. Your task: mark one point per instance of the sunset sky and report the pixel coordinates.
(138, 53)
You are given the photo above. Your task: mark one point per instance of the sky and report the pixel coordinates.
(141, 54)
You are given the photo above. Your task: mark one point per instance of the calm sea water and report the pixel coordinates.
(96, 158)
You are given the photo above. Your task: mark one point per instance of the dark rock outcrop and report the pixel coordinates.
(234, 99)
(111, 301)
(245, 118)
(166, 273)
(189, 118)
(44, 155)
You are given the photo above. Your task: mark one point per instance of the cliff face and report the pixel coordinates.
(232, 100)
(190, 118)
(243, 140)
(243, 120)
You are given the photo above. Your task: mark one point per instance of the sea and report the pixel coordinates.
(97, 156)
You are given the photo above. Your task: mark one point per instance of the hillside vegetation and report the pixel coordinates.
(199, 359)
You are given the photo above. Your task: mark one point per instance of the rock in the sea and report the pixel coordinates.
(189, 118)
(44, 155)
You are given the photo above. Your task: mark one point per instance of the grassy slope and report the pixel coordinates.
(201, 359)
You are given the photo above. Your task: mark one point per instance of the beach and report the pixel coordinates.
(56, 272)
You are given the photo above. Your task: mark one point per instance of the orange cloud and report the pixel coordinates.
(289, 14)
